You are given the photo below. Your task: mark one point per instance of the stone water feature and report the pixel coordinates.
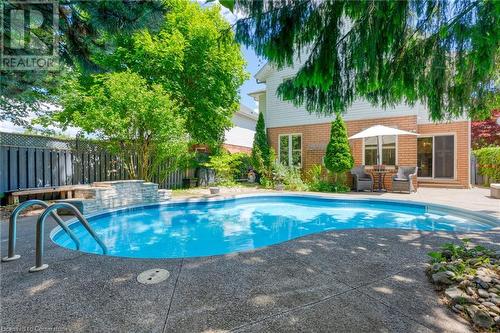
(114, 194)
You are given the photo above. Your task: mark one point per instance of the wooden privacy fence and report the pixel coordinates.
(31, 161)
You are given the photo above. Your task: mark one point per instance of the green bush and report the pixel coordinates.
(289, 176)
(488, 160)
(320, 181)
(279, 172)
(226, 166)
(293, 180)
(244, 166)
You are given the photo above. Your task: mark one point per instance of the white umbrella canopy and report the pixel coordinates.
(379, 131)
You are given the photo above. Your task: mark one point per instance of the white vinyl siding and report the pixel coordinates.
(280, 113)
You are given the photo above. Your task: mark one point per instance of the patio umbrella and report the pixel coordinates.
(379, 131)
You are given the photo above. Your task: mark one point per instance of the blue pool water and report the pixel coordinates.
(212, 228)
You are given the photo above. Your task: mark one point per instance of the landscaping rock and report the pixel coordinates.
(458, 296)
(436, 267)
(476, 293)
(480, 317)
(464, 284)
(494, 308)
(441, 278)
(481, 283)
(470, 291)
(483, 293)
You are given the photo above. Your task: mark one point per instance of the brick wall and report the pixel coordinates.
(237, 149)
(315, 137)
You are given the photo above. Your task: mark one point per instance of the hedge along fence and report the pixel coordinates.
(33, 161)
(488, 160)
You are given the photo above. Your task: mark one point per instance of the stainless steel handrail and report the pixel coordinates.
(39, 265)
(11, 252)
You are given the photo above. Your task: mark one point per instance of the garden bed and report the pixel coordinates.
(469, 279)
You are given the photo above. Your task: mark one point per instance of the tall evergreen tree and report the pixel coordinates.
(338, 157)
(441, 53)
(261, 149)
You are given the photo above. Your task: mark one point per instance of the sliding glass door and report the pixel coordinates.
(444, 156)
(436, 156)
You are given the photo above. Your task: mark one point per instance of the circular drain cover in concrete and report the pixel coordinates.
(152, 276)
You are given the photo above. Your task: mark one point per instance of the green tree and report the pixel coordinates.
(131, 117)
(441, 53)
(338, 158)
(260, 150)
(82, 26)
(191, 60)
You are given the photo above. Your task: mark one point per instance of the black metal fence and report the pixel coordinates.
(31, 161)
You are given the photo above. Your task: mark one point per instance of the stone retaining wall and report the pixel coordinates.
(114, 194)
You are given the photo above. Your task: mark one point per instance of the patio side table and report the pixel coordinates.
(380, 173)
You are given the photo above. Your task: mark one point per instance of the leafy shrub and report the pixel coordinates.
(289, 176)
(293, 180)
(244, 166)
(489, 162)
(319, 181)
(226, 166)
(279, 172)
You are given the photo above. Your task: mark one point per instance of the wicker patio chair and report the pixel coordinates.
(361, 180)
(403, 180)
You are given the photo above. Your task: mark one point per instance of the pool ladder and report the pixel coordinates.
(48, 210)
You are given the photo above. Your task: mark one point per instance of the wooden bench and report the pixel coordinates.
(66, 192)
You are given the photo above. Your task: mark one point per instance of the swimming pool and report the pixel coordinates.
(204, 228)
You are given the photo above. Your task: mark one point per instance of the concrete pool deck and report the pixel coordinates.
(363, 280)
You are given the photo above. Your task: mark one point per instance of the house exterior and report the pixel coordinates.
(240, 137)
(441, 150)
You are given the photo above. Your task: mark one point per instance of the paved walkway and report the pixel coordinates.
(343, 281)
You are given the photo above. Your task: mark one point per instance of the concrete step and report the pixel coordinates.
(440, 183)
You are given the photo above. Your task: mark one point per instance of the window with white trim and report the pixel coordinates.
(290, 150)
(388, 146)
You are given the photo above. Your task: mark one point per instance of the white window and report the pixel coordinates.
(388, 147)
(290, 150)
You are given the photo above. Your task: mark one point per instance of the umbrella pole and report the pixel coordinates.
(379, 162)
